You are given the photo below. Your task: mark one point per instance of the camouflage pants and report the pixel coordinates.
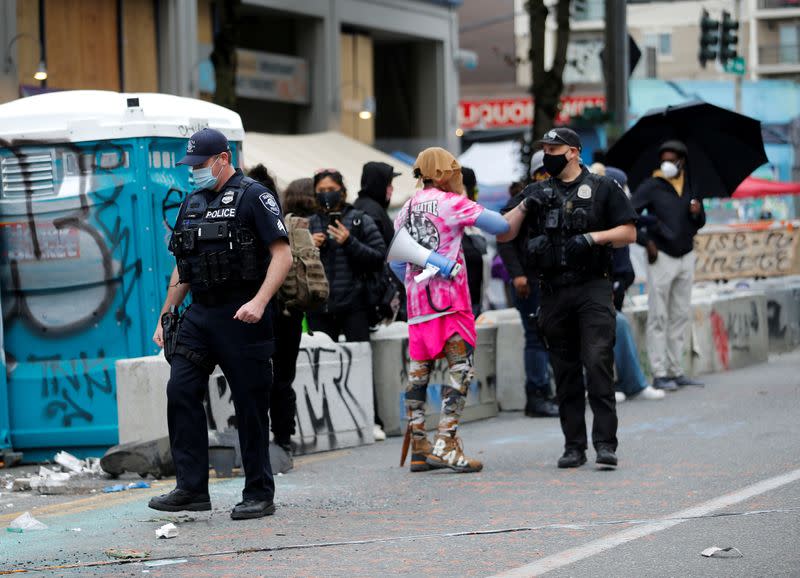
(454, 393)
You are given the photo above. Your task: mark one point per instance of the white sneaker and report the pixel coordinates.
(651, 393)
(378, 433)
(620, 396)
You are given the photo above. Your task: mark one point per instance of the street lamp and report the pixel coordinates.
(41, 70)
(364, 106)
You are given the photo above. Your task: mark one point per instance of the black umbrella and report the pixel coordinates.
(724, 146)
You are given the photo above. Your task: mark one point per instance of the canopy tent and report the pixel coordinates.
(754, 187)
(496, 166)
(290, 157)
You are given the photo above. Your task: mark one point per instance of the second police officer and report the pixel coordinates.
(574, 218)
(232, 253)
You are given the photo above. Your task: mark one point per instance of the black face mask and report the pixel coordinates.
(329, 200)
(555, 164)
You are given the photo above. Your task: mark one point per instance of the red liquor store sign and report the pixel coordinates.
(518, 112)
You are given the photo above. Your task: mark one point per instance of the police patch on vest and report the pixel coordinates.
(269, 203)
(227, 198)
(584, 192)
(226, 213)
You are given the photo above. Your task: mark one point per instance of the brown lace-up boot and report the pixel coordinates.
(448, 452)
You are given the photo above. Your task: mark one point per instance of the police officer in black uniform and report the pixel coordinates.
(574, 219)
(232, 253)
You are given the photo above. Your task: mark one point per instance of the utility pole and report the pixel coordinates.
(616, 66)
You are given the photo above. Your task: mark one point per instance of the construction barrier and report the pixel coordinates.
(333, 387)
(390, 371)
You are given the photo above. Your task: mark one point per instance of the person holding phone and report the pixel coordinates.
(351, 247)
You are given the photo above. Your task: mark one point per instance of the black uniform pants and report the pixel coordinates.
(242, 350)
(283, 401)
(579, 324)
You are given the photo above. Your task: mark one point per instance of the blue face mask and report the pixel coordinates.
(203, 178)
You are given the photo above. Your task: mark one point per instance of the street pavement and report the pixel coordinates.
(713, 466)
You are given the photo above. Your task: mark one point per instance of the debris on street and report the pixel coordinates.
(25, 523)
(126, 554)
(717, 552)
(167, 531)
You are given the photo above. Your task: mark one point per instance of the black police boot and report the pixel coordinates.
(540, 406)
(606, 457)
(572, 458)
(181, 500)
(247, 509)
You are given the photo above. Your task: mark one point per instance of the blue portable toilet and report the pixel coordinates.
(88, 194)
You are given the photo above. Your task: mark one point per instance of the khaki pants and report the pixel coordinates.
(669, 294)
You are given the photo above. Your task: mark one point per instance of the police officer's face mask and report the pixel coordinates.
(555, 164)
(204, 178)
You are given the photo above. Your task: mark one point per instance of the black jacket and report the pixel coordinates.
(378, 216)
(668, 222)
(372, 197)
(347, 266)
(513, 252)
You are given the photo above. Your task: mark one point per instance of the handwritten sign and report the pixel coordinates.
(734, 253)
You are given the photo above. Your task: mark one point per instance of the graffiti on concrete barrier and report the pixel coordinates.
(742, 326)
(327, 405)
(719, 334)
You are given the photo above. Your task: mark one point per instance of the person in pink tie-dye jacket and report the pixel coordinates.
(440, 320)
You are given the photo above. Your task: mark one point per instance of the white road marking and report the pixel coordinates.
(573, 555)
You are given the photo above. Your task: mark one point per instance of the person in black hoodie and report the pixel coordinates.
(375, 194)
(389, 296)
(671, 217)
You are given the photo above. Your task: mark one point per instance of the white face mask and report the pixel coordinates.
(669, 169)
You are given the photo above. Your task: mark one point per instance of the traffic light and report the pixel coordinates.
(729, 38)
(709, 38)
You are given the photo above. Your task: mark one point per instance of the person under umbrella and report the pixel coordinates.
(671, 217)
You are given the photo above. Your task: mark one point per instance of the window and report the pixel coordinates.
(661, 41)
(789, 38)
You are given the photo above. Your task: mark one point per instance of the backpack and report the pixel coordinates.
(306, 286)
(384, 292)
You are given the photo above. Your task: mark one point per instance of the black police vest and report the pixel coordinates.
(562, 217)
(211, 245)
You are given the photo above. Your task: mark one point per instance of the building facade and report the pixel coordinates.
(382, 71)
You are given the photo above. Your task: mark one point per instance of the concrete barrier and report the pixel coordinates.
(333, 387)
(510, 364)
(783, 314)
(390, 373)
(727, 330)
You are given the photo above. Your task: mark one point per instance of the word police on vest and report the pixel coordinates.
(223, 213)
(405, 249)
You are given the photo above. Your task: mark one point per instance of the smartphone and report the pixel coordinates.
(335, 217)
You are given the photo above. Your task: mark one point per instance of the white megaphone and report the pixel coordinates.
(406, 250)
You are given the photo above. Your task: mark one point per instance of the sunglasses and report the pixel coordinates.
(319, 172)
